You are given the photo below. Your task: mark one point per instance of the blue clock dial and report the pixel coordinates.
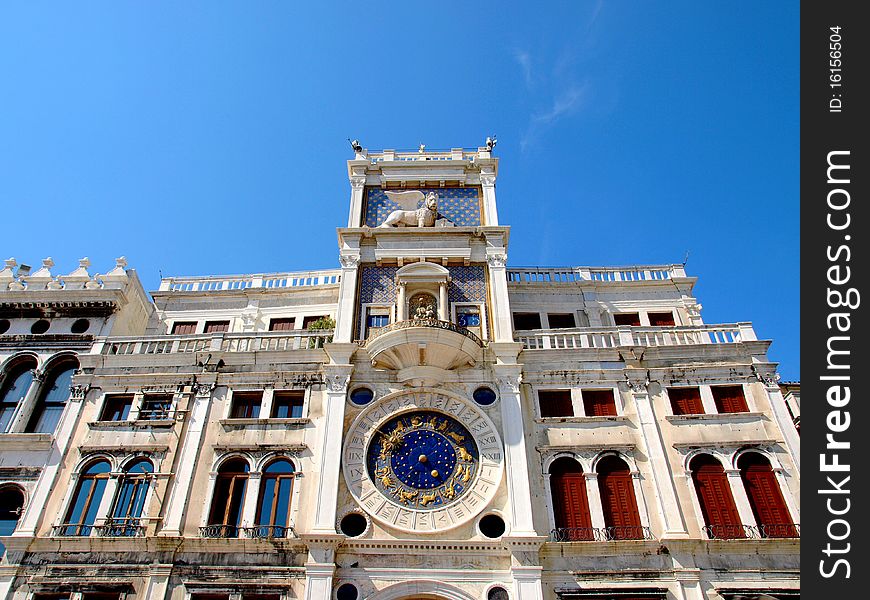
(423, 459)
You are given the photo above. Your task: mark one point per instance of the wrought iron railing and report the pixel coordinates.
(268, 531)
(435, 323)
(600, 534)
(219, 531)
(121, 528)
(72, 530)
(765, 530)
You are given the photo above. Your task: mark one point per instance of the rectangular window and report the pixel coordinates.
(246, 405)
(555, 403)
(101, 596)
(283, 324)
(524, 321)
(376, 318)
(50, 597)
(623, 319)
(117, 407)
(288, 405)
(307, 321)
(686, 400)
(209, 597)
(469, 317)
(217, 326)
(729, 398)
(155, 407)
(599, 403)
(183, 327)
(561, 320)
(661, 319)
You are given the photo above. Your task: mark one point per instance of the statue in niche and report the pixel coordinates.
(410, 215)
(422, 306)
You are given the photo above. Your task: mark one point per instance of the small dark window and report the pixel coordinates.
(492, 526)
(209, 597)
(50, 596)
(246, 405)
(347, 591)
(361, 396)
(686, 401)
(11, 506)
(4, 325)
(117, 407)
(377, 321)
(80, 326)
(155, 407)
(729, 398)
(622, 319)
(41, 326)
(216, 326)
(524, 321)
(307, 321)
(287, 405)
(661, 319)
(100, 596)
(282, 324)
(184, 328)
(555, 403)
(497, 593)
(561, 320)
(484, 396)
(599, 403)
(353, 525)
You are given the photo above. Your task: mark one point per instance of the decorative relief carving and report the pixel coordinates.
(349, 261)
(496, 260)
(357, 183)
(510, 382)
(409, 215)
(637, 386)
(487, 180)
(78, 392)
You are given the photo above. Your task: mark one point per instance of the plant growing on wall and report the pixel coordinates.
(321, 324)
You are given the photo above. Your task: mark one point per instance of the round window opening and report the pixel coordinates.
(347, 591)
(484, 396)
(4, 325)
(353, 525)
(80, 326)
(361, 396)
(497, 593)
(40, 326)
(492, 526)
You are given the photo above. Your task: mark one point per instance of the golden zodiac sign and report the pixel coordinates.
(466, 473)
(449, 491)
(427, 498)
(455, 436)
(405, 496)
(416, 421)
(384, 475)
(391, 442)
(463, 454)
(432, 420)
(444, 425)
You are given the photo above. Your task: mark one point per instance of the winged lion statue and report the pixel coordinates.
(410, 215)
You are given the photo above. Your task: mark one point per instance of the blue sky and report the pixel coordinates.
(210, 137)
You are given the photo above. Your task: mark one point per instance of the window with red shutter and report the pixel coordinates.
(282, 324)
(765, 498)
(714, 495)
(599, 403)
(555, 403)
(729, 398)
(661, 319)
(216, 326)
(618, 502)
(570, 502)
(686, 401)
(184, 328)
(632, 319)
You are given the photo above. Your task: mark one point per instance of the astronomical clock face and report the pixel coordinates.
(423, 461)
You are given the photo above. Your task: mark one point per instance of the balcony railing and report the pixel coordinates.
(268, 531)
(121, 528)
(257, 280)
(72, 530)
(219, 531)
(612, 337)
(600, 534)
(572, 274)
(764, 531)
(223, 342)
(434, 323)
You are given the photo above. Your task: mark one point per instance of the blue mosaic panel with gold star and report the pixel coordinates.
(423, 460)
(460, 205)
(467, 284)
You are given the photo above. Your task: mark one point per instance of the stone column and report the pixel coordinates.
(744, 509)
(249, 506)
(660, 468)
(443, 308)
(525, 566)
(320, 566)
(357, 188)
(337, 378)
(344, 315)
(157, 582)
(783, 418)
(25, 408)
(501, 308)
(593, 495)
(527, 583)
(487, 183)
(515, 459)
(179, 494)
(401, 302)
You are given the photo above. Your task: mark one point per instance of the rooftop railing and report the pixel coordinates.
(257, 280)
(417, 156)
(276, 341)
(571, 274)
(612, 337)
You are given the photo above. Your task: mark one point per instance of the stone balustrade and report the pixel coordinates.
(615, 274)
(257, 280)
(17, 277)
(427, 155)
(220, 342)
(612, 337)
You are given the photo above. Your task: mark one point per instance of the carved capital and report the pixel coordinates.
(496, 260)
(769, 379)
(357, 183)
(337, 377)
(77, 393)
(487, 180)
(204, 390)
(637, 386)
(349, 261)
(510, 382)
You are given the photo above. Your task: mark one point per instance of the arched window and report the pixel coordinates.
(52, 399)
(762, 489)
(82, 510)
(273, 509)
(228, 499)
(570, 502)
(618, 502)
(130, 501)
(11, 505)
(15, 385)
(721, 519)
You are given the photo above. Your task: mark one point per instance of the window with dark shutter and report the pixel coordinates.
(555, 403)
(621, 319)
(287, 405)
(282, 324)
(217, 326)
(117, 407)
(661, 319)
(714, 495)
(184, 328)
(599, 403)
(561, 320)
(570, 502)
(762, 489)
(246, 405)
(618, 502)
(686, 401)
(524, 321)
(729, 398)
(307, 321)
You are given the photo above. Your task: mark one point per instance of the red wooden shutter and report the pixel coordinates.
(661, 319)
(570, 502)
(686, 401)
(555, 403)
(617, 499)
(282, 324)
(714, 495)
(632, 319)
(185, 328)
(599, 403)
(729, 398)
(766, 500)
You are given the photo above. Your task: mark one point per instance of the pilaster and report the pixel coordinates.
(738, 491)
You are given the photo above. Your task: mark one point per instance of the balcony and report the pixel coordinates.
(268, 532)
(219, 531)
(423, 351)
(121, 528)
(763, 531)
(600, 534)
(614, 337)
(280, 341)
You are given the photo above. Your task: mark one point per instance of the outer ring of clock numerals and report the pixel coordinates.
(407, 513)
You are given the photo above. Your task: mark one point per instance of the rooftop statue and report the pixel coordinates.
(410, 215)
